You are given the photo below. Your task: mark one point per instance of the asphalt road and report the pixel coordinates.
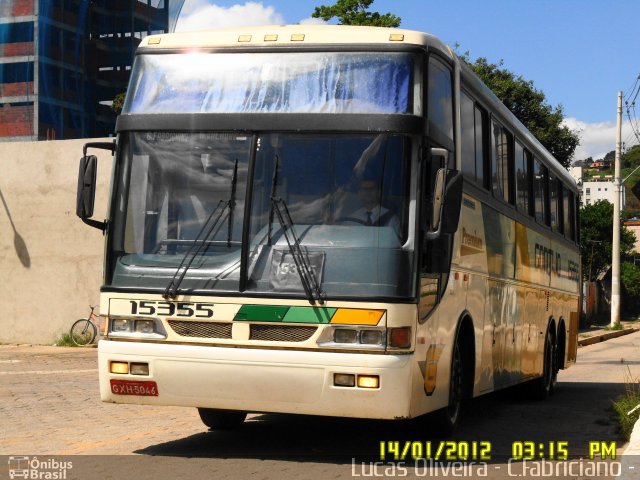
(50, 410)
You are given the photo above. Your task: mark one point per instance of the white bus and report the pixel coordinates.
(328, 220)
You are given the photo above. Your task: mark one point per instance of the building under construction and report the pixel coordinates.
(63, 61)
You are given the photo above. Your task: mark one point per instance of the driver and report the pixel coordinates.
(372, 212)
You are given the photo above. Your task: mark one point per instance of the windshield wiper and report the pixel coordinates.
(232, 204)
(200, 242)
(274, 187)
(309, 282)
(308, 279)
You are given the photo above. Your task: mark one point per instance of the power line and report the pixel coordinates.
(634, 126)
(635, 83)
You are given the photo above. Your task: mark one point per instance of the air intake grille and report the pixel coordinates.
(548, 295)
(278, 333)
(201, 329)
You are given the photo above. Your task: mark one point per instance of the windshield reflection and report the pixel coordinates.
(346, 196)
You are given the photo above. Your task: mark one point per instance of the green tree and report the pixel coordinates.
(596, 232)
(355, 12)
(530, 106)
(118, 103)
(630, 279)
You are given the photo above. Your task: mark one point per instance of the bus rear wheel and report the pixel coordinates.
(221, 419)
(543, 387)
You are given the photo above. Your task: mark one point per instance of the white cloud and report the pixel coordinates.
(202, 15)
(312, 21)
(597, 139)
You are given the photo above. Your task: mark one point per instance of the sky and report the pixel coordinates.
(578, 52)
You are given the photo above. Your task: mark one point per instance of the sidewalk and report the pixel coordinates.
(598, 333)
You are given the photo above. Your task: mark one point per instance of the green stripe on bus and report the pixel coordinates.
(262, 313)
(309, 315)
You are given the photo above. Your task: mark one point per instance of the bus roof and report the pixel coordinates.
(283, 35)
(298, 35)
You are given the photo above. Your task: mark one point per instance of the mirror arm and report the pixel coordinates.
(440, 152)
(429, 236)
(111, 146)
(102, 226)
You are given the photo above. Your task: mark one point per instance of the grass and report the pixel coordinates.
(615, 327)
(626, 403)
(65, 341)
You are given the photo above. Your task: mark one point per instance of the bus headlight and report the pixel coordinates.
(344, 335)
(132, 328)
(144, 326)
(371, 337)
(121, 325)
(364, 337)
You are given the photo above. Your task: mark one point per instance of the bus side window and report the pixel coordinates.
(440, 104)
(576, 218)
(501, 164)
(540, 191)
(567, 203)
(468, 137)
(472, 126)
(554, 203)
(523, 178)
(482, 159)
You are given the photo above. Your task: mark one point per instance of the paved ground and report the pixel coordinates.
(49, 407)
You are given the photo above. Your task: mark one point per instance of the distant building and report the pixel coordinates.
(63, 61)
(600, 165)
(591, 192)
(634, 225)
(576, 174)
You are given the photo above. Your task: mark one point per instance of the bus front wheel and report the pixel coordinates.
(446, 419)
(221, 419)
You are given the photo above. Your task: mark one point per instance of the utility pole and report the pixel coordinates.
(615, 260)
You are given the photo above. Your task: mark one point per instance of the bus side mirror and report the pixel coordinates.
(447, 198)
(438, 198)
(87, 175)
(86, 194)
(452, 202)
(86, 186)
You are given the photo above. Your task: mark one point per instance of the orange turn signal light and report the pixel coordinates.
(119, 367)
(368, 381)
(400, 337)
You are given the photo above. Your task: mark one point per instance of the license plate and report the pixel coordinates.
(132, 387)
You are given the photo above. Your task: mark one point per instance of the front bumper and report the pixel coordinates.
(261, 380)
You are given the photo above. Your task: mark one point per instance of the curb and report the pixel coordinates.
(605, 336)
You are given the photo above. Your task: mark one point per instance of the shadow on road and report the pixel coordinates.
(577, 413)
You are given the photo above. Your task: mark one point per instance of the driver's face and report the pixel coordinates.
(369, 194)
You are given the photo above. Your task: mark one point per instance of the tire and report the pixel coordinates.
(83, 332)
(446, 420)
(542, 388)
(221, 419)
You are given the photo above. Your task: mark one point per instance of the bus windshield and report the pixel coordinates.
(310, 82)
(345, 196)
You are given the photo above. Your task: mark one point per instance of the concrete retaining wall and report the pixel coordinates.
(50, 262)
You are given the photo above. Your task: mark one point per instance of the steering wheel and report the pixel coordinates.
(352, 220)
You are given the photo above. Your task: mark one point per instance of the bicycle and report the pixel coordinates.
(84, 331)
